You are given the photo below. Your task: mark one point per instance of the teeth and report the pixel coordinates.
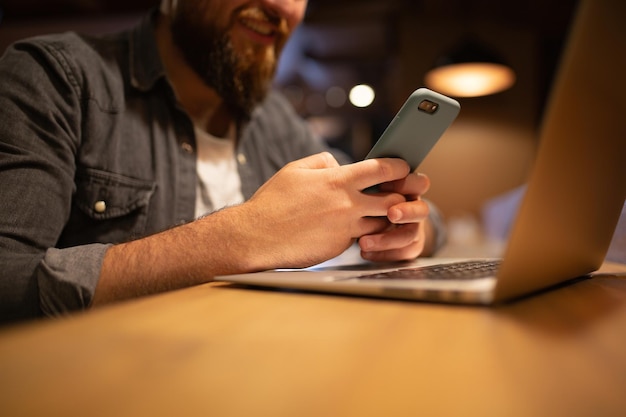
(256, 19)
(259, 27)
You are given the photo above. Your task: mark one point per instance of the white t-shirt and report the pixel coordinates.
(219, 184)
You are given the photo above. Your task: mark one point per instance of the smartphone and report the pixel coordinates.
(419, 124)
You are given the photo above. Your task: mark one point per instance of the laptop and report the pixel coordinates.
(574, 196)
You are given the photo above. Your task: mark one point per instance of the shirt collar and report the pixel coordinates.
(146, 67)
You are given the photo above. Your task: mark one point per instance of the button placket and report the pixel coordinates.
(187, 147)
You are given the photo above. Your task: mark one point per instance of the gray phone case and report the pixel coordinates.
(416, 127)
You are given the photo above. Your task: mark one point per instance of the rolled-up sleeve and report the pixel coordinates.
(50, 284)
(67, 278)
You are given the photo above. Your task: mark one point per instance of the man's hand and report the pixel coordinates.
(409, 234)
(313, 209)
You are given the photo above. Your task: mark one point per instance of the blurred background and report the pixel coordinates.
(389, 45)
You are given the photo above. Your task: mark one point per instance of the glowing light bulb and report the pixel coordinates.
(362, 95)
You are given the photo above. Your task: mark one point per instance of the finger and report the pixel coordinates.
(378, 205)
(370, 226)
(371, 172)
(406, 253)
(408, 212)
(395, 238)
(414, 184)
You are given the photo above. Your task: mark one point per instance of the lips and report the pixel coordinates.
(260, 27)
(259, 22)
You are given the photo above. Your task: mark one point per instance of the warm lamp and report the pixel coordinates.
(470, 70)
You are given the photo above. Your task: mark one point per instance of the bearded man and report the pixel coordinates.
(159, 157)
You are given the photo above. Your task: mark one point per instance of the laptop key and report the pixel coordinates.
(465, 270)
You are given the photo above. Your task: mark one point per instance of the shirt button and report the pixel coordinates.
(100, 206)
(187, 147)
(242, 159)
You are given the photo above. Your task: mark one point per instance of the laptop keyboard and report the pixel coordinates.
(464, 270)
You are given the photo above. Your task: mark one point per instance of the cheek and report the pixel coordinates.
(296, 14)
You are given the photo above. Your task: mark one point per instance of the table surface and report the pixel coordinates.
(223, 350)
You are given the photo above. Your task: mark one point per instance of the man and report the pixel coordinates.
(111, 147)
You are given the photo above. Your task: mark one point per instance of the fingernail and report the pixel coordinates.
(394, 215)
(366, 244)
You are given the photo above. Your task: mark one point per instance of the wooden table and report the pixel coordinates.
(219, 350)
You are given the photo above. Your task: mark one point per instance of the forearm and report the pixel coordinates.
(186, 255)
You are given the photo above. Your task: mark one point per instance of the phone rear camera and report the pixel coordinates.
(428, 106)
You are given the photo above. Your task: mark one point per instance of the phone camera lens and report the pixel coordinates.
(428, 106)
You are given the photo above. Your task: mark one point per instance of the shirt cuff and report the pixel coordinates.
(439, 226)
(67, 278)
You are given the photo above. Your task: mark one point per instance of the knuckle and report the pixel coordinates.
(395, 199)
(384, 170)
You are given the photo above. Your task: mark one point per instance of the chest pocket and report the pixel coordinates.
(107, 208)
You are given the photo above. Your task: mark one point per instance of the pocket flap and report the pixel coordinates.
(105, 195)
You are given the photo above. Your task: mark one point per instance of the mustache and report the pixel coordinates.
(267, 15)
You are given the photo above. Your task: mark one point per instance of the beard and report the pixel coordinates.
(242, 78)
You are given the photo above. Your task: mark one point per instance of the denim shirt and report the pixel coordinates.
(95, 150)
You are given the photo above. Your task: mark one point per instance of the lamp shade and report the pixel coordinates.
(470, 70)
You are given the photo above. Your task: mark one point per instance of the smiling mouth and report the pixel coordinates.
(259, 22)
(262, 28)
